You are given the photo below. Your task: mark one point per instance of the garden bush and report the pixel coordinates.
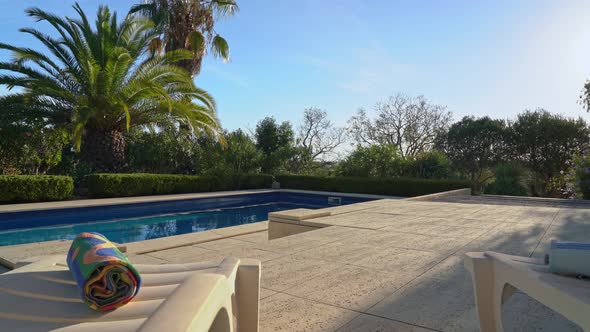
(406, 187)
(122, 185)
(377, 161)
(509, 181)
(35, 188)
(428, 165)
(252, 181)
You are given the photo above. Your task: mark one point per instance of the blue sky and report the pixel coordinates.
(477, 57)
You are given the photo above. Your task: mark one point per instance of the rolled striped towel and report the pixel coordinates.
(104, 275)
(569, 258)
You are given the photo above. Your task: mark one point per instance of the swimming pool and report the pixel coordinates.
(142, 221)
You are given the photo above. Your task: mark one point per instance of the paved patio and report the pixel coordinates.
(386, 265)
(393, 265)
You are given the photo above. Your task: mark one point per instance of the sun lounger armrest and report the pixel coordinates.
(199, 302)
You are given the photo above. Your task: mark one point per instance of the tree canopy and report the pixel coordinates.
(98, 81)
(474, 145)
(544, 142)
(188, 25)
(275, 141)
(409, 123)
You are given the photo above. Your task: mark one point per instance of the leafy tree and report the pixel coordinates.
(575, 181)
(508, 180)
(298, 160)
(98, 82)
(241, 155)
(188, 25)
(177, 151)
(30, 150)
(410, 124)
(71, 164)
(373, 161)
(275, 142)
(543, 142)
(169, 151)
(238, 156)
(474, 146)
(428, 165)
(210, 158)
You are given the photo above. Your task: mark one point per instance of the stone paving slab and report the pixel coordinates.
(292, 270)
(343, 209)
(341, 251)
(361, 219)
(444, 304)
(170, 242)
(284, 312)
(350, 287)
(265, 292)
(404, 240)
(186, 254)
(253, 237)
(516, 242)
(523, 313)
(299, 214)
(399, 260)
(370, 323)
(9, 255)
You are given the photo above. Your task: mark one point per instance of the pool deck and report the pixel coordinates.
(384, 265)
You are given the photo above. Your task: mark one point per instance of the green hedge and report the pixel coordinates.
(122, 185)
(35, 188)
(406, 187)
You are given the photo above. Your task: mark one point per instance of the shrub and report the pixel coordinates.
(428, 165)
(224, 181)
(379, 186)
(253, 181)
(508, 181)
(543, 141)
(35, 188)
(122, 185)
(576, 179)
(374, 161)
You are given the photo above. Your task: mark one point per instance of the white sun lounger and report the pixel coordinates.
(497, 276)
(207, 296)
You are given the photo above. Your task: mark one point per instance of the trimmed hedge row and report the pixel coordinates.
(407, 187)
(35, 188)
(123, 185)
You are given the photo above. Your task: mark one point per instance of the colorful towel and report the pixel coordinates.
(103, 274)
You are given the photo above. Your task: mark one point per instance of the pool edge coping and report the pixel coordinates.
(97, 202)
(128, 247)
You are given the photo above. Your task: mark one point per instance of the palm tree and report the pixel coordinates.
(99, 82)
(189, 25)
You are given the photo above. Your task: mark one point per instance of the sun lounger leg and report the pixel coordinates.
(488, 298)
(248, 294)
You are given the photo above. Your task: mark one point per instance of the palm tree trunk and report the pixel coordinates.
(104, 150)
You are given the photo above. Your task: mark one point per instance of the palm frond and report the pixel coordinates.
(224, 8)
(220, 48)
(196, 42)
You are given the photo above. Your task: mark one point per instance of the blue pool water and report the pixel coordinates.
(136, 222)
